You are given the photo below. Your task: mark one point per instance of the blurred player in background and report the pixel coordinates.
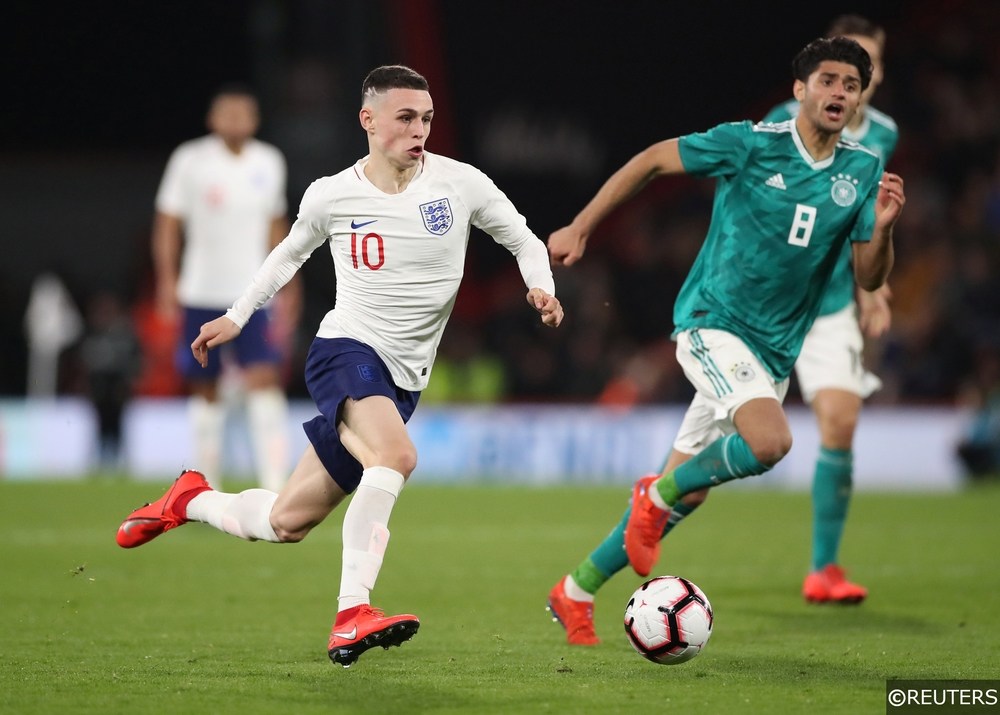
(398, 224)
(789, 198)
(220, 209)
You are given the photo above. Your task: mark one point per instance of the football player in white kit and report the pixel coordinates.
(398, 224)
(220, 209)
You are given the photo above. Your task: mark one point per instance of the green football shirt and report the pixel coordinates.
(878, 132)
(780, 221)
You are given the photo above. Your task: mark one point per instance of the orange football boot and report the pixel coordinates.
(168, 512)
(577, 617)
(644, 528)
(829, 585)
(362, 627)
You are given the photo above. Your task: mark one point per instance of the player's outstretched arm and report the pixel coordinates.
(548, 306)
(566, 246)
(873, 260)
(214, 333)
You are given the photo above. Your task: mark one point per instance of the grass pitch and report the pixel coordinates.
(200, 622)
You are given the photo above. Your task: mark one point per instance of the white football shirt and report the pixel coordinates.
(398, 258)
(227, 203)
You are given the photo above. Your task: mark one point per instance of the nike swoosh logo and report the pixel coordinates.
(351, 635)
(132, 523)
(359, 225)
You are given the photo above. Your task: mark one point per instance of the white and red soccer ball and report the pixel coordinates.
(668, 620)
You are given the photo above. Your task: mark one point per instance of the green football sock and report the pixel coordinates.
(727, 458)
(668, 489)
(605, 561)
(609, 557)
(589, 577)
(831, 496)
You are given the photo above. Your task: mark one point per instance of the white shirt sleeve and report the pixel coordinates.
(494, 213)
(171, 197)
(307, 233)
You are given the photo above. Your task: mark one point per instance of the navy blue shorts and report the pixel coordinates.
(251, 347)
(337, 369)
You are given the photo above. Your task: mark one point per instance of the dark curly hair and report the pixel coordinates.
(835, 49)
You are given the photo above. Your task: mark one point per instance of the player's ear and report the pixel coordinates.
(799, 90)
(367, 119)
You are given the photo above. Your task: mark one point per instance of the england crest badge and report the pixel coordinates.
(368, 373)
(437, 216)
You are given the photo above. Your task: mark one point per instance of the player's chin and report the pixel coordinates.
(833, 125)
(833, 119)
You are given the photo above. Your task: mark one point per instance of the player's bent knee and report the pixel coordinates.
(403, 461)
(291, 530)
(771, 449)
(286, 536)
(838, 429)
(837, 414)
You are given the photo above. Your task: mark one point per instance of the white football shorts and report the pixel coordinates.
(726, 375)
(831, 357)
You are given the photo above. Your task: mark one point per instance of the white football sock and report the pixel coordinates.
(267, 413)
(574, 592)
(366, 534)
(656, 497)
(207, 422)
(246, 515)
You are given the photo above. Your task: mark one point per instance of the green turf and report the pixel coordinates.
(200, 622)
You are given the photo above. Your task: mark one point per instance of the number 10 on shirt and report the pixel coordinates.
(366, 250)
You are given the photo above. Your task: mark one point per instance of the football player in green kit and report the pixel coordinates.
(788, 197)
(831, 376)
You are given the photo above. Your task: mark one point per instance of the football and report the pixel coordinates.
(668, 620)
